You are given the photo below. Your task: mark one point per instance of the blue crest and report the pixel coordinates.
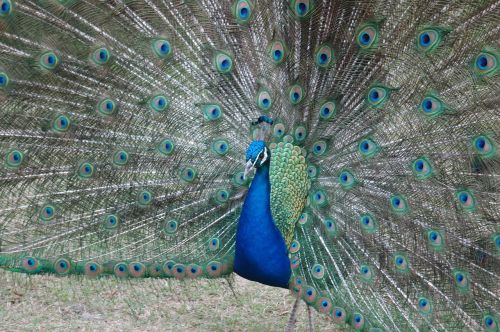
(254, 149)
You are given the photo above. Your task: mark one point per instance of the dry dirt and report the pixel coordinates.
(52, 303)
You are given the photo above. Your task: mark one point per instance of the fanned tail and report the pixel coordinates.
(124, 127)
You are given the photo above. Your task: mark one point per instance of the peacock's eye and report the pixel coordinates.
(261, 155)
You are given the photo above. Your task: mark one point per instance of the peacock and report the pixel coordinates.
(344, 150)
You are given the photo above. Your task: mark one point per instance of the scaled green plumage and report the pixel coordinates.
(289, 187)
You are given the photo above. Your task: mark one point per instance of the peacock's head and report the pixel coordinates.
(257, 155)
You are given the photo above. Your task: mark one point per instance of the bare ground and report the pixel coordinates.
(52, 303)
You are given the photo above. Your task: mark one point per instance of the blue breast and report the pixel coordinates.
(261, 254)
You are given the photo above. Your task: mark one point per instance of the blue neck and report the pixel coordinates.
(261, 254)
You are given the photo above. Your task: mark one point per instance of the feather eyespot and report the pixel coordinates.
(484, 146)
(168, 268)
(294, 262)
(358, 321)
(264, 100)
(214, 269)
(193, 271)
(144, 198)
(277, 52)
(111, 221)
(214, 244)
(309, 294)
(319, 198)
(31, 264)
(486, 63)
(312, 171)
(294, 247)
(62, 266)
(328, 110)
(100, 56)
(5, 8)
(368, 223)
(296, 94)
(136, 269)
(368, 36)
(47, 213)
(466, 199)
(424, 305)
(461, 280)
(279, 130)
(347, 179)
(432, 106)
(120, 270)
(161, 48)
(368, 147)
(92, 269)
(239, 179)
(220, 147)
(49, 60)
(490, 323)
(324, 305)
(339, 314)
(243, 11)
(300, 134)
(366, 273)
(159, 103)
(166, 147)
(120, 158)
(320, 148)
(435, 239)
(330, 227)
(222, 196)
(170, 227)
(188, 174)
(318, 271)
(378, 95)
(422, 168)
(85, 170)
(14, 159)
(106, 107)
(496, 241)
(223, 62)
(401, 263)
(4, 80)
(301, 8)
(324, 57)
(399, 204)
(429, 39)
(179, 271)
(61, 124)
(304, 218)
(212, 112)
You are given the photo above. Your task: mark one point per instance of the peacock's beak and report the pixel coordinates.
(248, 168)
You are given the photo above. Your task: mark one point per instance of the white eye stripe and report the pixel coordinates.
(265, 156)
(255, 162)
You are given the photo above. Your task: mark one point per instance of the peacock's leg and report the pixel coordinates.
(290, 326)
(309, 314)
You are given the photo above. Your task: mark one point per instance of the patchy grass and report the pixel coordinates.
(52, 303)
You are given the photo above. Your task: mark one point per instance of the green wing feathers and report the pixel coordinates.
(289, 186)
